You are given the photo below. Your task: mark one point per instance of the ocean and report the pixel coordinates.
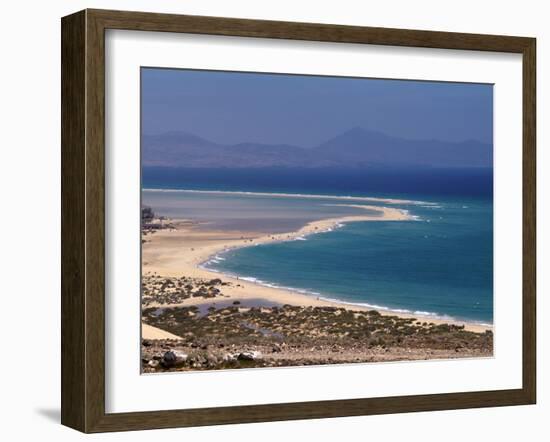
(440, 263)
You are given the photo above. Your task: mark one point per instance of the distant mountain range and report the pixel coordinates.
(355, 148)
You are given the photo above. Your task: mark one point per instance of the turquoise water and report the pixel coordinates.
(440, 264)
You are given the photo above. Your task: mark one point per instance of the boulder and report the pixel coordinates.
(173, 358)
(211, 359)
(229, 357)
(249, 356)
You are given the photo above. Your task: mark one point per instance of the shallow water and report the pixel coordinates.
(248, 212)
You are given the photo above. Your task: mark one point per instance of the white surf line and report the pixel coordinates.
(303, 232)
(295, 195)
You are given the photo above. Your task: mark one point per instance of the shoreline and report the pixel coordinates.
(185, 249)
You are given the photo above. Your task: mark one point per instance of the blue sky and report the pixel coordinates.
(230, 107)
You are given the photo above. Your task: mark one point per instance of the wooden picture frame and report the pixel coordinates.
(83, 220)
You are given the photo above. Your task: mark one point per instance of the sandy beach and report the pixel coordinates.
(180, 251)
(150, 332)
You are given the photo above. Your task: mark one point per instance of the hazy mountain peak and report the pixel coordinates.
(355, 148)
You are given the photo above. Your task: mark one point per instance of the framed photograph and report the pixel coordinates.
(267, 220)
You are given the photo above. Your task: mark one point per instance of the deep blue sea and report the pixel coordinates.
(441, 263)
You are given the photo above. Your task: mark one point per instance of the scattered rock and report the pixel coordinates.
(233, 336)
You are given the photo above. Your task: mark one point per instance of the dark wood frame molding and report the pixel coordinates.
(83, 216)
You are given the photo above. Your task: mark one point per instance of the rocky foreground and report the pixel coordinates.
(241, 336)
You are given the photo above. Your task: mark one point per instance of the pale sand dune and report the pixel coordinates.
(180, 251)
(150, 332)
